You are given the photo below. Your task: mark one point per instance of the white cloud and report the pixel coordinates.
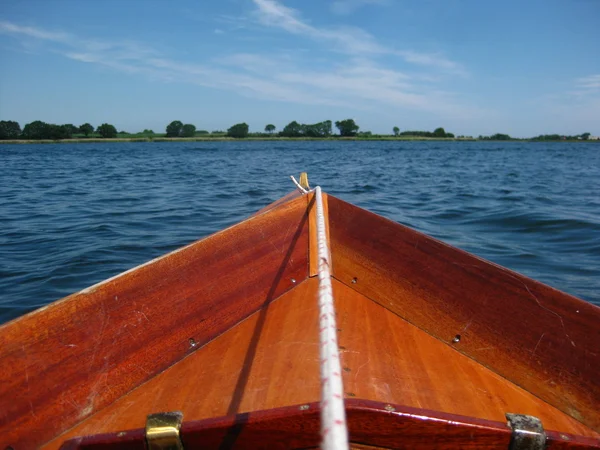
(347, 39)
(350, 40)
(589, 83)
(355, 83)
(11, 28)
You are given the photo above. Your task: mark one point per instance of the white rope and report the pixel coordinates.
(304, 191)
(334, 432)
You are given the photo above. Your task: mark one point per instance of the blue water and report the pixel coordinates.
(73, 215)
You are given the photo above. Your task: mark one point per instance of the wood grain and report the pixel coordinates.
(286, 198)
(385, 358)
(122, 440)
(62, 363)
(539, 338)
(371, 425)
(401, 364)
(269, 360)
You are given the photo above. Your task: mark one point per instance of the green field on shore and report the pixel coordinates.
(273, 138)
(226, 138)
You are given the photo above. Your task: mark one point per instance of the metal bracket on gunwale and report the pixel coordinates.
(527, 432)
(162, 431)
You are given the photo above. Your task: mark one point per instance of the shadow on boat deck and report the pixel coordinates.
(238, 394)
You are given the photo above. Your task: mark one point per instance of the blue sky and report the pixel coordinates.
(473, 67)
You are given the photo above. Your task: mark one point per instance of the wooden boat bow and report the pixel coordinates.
(436, 346)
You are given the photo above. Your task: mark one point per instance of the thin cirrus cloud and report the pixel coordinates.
(351, 40)
(353, 81)
(589, 83)
(134, 58)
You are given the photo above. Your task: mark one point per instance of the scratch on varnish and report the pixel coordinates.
(467, 326)
(360, 367)
(562, 322)
(538, 343)
(94, 391)
(143, 314)
(29, 393)
(101, 335)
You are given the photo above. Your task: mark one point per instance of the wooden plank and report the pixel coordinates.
(62, 363)
(269, 360)
(286, 198)
(386, 359)
(537, 337)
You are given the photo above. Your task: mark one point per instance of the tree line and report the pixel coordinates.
(542, 137)
(39, 130)
(346, 128)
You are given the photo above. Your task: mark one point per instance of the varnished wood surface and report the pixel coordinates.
(62, 363)
(541, 339)
(370, 424)
(271, 360)
(123, 440)
(386, 359)
(268, 361)
(285, 199)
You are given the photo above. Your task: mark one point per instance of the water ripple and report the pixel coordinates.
(73, 215)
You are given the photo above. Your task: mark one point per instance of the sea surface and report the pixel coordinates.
(75, 214)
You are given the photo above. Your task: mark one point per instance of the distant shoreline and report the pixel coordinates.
(265, 139)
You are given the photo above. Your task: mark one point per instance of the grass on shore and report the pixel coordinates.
(226, 138)
(219, 138)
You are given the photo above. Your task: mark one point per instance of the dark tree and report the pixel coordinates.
(585, 136)
(36, 130)
(292, 129)
(86, 129)
(347, 127)
(72, 129)
(239, 130)
(321, 129)
(188, 130)
(149, 132)
(270, 128)
(439, 132)
(57, 132)
(174, 129)
(396, 131)
(9, 129)
(325, 128)
(107, 130)
(500, 137)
